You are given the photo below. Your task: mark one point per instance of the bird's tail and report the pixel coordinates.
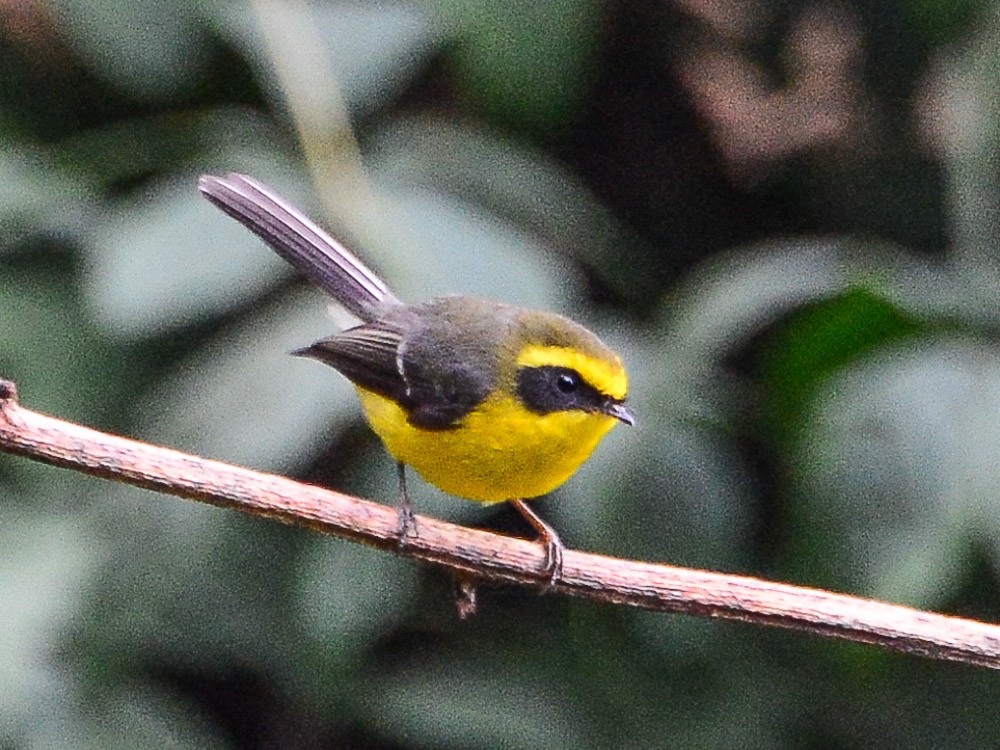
(327, 263)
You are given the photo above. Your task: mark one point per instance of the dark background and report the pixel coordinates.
(782, 214)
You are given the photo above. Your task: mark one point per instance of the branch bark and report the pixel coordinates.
(482, 555)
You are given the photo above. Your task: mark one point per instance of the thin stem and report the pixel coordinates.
(488, 556)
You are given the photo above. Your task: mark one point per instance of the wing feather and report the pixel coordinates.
(368, 356)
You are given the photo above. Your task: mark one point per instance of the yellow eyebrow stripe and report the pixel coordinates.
(607, 376)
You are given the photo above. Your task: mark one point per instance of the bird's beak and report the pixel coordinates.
(620, 412)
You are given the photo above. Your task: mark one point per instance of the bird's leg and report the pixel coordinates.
(407, 521)
(549, 538)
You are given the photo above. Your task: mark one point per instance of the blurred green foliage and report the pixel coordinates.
(810, 325)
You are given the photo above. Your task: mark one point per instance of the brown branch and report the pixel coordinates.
(483, 555)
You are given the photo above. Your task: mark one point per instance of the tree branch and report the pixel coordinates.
(483, 555)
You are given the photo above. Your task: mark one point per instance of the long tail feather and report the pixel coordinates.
(327, 263)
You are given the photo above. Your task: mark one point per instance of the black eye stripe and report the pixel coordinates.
(547, 389)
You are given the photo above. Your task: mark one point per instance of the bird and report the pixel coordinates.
(487, 401)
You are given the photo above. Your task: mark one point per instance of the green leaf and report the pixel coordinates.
(443, 245)
(173, 260)
(944, 21)
(221, 139)
(348, 597)
(147, 49)
(507, 178)
(59, 362)
(189, 587)
(243, 399)
(137, 715)
(46, 563)
(373, 51)
(886, 469)
(484, 700)
(818, 341)
(526, 62)
(37, 198)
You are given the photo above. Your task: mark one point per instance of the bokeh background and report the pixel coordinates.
(782, 213)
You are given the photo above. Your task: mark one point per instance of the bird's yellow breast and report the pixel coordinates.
(499, 451)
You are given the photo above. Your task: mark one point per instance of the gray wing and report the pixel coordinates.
(451, 363)
(368, 356)
(435, 377)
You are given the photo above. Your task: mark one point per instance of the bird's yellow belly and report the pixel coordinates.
(500, 451)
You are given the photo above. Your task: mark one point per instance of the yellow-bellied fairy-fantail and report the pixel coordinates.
(486, 401)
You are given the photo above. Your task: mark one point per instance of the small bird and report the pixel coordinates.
(486, 401)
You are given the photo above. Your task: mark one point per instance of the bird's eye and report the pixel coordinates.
(550, 388)
(567, 382)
